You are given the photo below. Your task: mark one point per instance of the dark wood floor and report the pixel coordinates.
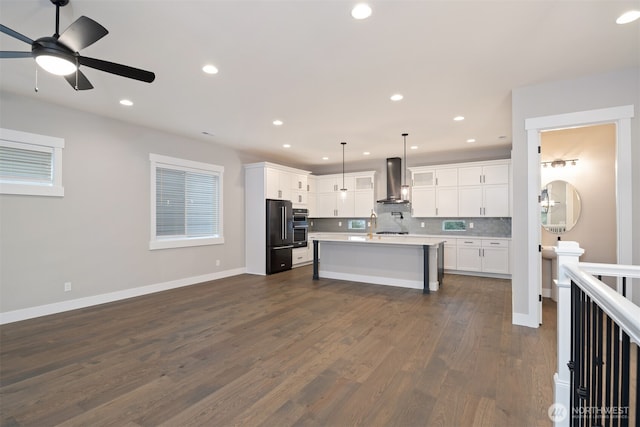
(283, 350)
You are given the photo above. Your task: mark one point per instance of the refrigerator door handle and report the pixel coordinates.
(282, 247)
(282, 211)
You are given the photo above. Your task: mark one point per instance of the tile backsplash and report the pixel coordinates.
(398, 218)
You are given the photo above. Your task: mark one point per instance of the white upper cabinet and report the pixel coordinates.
(357, 202)
(278, 184)
(478, 189)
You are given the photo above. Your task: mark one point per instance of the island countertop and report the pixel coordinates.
(386, 239)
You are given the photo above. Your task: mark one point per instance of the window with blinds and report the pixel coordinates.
(30, 164)
(187, 203)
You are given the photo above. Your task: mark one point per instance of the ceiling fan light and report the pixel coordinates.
(56, 65)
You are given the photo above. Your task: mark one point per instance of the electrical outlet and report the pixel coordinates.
(368, 223)
(422, 224)
(67, 286)
(470, 225)
(312, 223)
(217, 263)
(339, 223)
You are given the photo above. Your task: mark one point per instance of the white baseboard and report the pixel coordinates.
(522, 319)
(59, 307)
(546, 293)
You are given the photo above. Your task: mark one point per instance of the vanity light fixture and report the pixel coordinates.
(343, 190)
(559, 163)
(405, 187)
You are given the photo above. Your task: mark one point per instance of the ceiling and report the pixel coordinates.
(327, 76)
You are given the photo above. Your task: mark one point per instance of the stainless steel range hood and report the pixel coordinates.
(394, 182)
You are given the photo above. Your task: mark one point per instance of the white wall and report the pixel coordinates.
(97, 235)
(587, 93)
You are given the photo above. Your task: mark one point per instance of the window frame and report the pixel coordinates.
(159, 242)
(34, 142)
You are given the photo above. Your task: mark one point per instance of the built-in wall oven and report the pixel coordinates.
(300, 227)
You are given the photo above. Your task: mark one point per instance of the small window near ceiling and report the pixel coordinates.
(186, 203)
(30, 164)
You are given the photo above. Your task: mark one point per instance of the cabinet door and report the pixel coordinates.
(495, 260)
(495, 174)
(470, 175)
(299, 197)
(496, 200)
(325, 205)
(469, 258)
(470, 199)
(363, 203)
(423, 202)
(345, 205)
(447, 201)
(326, 184)
(363, 183)
(299, 182)
(450, 257)
(284, 179)
(425, 178)
(447, 177)
(273, 184)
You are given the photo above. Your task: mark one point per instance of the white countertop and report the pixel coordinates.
(340, 236)
(413, 240)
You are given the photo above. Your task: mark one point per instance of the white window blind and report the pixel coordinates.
(26, 165)
(187, 203)
(30, 164)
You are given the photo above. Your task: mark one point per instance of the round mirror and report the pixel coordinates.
(559, 207)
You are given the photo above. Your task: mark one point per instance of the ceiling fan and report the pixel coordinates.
(59, 55)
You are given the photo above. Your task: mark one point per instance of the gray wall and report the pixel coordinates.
(97, 235)
(587, 93)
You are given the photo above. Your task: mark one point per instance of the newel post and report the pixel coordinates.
(567, 253)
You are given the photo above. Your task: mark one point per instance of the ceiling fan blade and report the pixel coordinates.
(83, 81)
(16, 35)
(10, 54)
(119, 69)
(82, 33)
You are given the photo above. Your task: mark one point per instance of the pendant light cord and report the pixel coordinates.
(404, 135)
(343, 144)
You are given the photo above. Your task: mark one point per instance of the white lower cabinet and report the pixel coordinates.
(450, 254)
(301, 256)
(483, 255)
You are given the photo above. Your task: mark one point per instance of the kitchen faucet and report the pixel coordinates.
(373, 223)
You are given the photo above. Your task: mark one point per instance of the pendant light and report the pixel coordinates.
(343, 190)
(405, 187)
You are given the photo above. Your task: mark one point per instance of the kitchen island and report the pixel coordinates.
(404, 261)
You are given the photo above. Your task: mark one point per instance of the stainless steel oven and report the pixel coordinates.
(300, 227)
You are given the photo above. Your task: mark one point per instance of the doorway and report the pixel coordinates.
(621, 117)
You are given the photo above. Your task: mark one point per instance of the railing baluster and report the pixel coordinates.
(599, 363)
(608, 363)
(616, 372)
(624, 386)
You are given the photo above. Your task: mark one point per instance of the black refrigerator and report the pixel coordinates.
(279, 235)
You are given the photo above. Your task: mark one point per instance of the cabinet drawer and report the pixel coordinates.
(495, 243)
(469, 242)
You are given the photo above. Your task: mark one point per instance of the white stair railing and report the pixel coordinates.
(589, 385)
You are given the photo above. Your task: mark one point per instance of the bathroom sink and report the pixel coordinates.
(548, 252)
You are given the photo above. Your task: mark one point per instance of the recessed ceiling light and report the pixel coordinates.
(470, 140)
(210, 69)
(277, 122)
(366, 153)
(628, 17)
(325, 158)
(458, 118)
(414, 147)
(396, 97)
(286, 145)
(361, 11)
(126, 102)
